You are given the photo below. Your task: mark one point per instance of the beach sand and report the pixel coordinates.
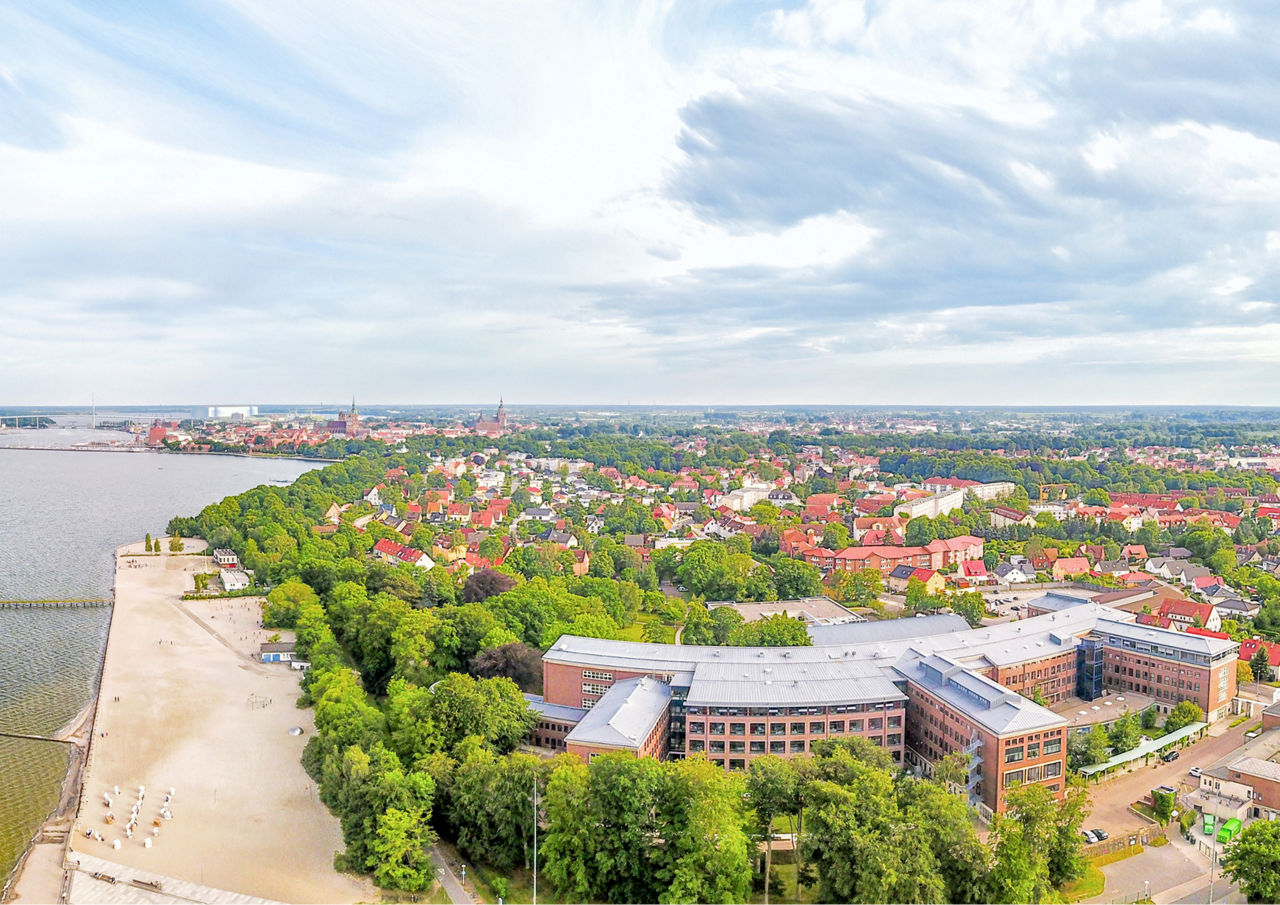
(183, 704)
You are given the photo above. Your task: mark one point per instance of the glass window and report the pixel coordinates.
(717, 728)
(1011, 777)
(1053, 769)
(817, 728)
(1053, 746)
(895, 738)
(895, 722)
(777, 747)
(836, 726)
(875, 723)
(696, 745)
(777, 728)
(757, 728)
(1013, 755)
(855, 725)
(1033, 751)
(797, 747)
(797, 728)
(737, 728)
(757, 747)
(737, 763)
(697, 728)
(717, 748)
(737, 747)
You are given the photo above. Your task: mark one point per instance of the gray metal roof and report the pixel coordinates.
(986, 703)
(1054, 602)
(559, 712)
(625, 715)
(887, 630)
(1196, 644)
(789, 684)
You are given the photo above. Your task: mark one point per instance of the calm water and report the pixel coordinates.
(62, 514)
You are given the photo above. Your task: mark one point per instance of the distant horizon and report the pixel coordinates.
(277, 408)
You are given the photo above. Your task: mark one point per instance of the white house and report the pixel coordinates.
(233, 579)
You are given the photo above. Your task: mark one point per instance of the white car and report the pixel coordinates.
(1194, 772)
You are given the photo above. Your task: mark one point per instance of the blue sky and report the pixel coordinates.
(701, 202)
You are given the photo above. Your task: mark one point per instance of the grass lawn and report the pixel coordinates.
(1086, 887)
(786, 890)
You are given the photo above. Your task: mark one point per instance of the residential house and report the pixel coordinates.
(1069, 566)
(1005, 517)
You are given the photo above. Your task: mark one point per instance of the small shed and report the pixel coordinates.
(276, 651)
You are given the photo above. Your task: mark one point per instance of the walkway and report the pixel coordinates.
(452, 885)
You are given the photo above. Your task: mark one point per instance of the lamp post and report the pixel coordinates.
(535, 839)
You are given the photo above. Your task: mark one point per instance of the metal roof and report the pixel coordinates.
(625, 715)
(886, 630)
(991, 706)
(789, 684)
(1195, 644)
(560, 712)
(1145, 748)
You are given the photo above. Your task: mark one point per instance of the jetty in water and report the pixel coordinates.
(10, 604)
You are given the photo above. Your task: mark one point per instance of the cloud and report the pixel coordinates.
(708, 203)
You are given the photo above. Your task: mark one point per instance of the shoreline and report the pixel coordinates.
(169, 452)
(184, 701)
(55, 829)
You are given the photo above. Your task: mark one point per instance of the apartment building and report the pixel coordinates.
(1169, 666)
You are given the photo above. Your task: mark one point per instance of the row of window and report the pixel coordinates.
(796, 728)
(736, 763)
(795, 711)
(1034, 773)
(797, 746)
(1016, 753)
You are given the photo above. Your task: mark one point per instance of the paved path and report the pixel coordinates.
(452, 885)
(1112, 798)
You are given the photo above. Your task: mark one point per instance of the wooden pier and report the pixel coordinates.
(14, 604)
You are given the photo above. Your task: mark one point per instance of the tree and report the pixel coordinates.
(147, 542)
(1244, 673)
(1164, 803)
(776, 630)
(773, 790)
(707, 855)
(835, 536)
(1253, 861)
(918, 597)
(493, 709)
(969, 604)
(282, 604)
(175, 544)
(1097, 497)
(1125, 733)
(517, 661)
(795, 578)
(724, 620)
(1184, 713)
(398, 851)
(484, 584)
(1260, 663)
(862, 588)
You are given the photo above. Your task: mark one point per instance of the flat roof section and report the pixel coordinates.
(789, 685)
(1085, 714)
(561, 712)
(813, 610)
(887, 630)
(624, 716)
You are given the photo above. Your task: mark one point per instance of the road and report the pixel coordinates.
(452, 885)
(1171, 873)
(1112, 798)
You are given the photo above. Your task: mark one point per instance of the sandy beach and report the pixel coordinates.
(184, 704)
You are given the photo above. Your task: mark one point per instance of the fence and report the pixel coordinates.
(1144, 836)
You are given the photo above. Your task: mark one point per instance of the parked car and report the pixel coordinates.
(1101, 834)
(1169, 756)
(1254, 733)
(1089, 837)
(1194, 772)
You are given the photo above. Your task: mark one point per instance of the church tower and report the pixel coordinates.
(353, 420)
(501, 417)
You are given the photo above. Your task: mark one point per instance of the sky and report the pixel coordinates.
(696, 202)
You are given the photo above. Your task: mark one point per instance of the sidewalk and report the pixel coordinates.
(452, 886)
